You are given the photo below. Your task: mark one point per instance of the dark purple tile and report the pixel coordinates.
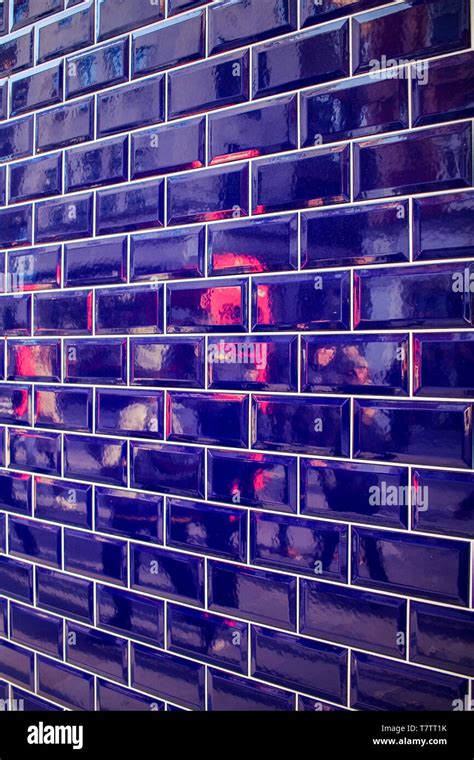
(15, 404)
(127, 412)
(115, 17)
(266, 364)
(409, 30)
(208, 418)
(169, 677)
(265, 481)
(168, 469)
(34, 268)
(103, 460)
(221, 193)
(235, 23)
(315, 13)
(172, 148)
(16, 139)
(43, 88)
(38, 452)
(28, 11)
(307, 58)
(167, 254)
(101, 67)
(65, 125)
(65, 594)
(128, 513)
(430, 568)
(113, 698)
(131, 310)
(442, 638)
(203, 528)
(16, 579)
(414, 162)
(68, 686)
(446, 92)
(95, 263)
(63, 408)
(36, 630)
(231, 694)
(443, 365)
(130, 614)
(17, 54)
(443, 226)
(169, 44)
(35, 541)
(99, 164)
(168, 362)
(379, 684)
(74, 31)
(34, 704)
(15, 493)
(219, 306)
(90, 555)
(36, 178)
(371, 365)
(373, 234)
(63, 313)
(64, 219)
(99, 652)
(354, 618)
(257, 595)
(167, 574)
(129, 107)
(130, 208)
(63, 501)
(301, 302)
(96, 361)
(16, 226)
(34, 360)
(446, 502)
(17, 664)
(208, 85)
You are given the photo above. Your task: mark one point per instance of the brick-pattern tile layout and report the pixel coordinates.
(237, 365)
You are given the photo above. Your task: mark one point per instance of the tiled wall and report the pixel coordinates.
(238, 367)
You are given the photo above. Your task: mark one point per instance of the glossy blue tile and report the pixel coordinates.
(167, 254)
(253, 363)
(448, 508)
(63, 313)
(65, 685)
(101, 67)
(307, 58)
(248, 131)
(34, 268)
(234, 23)
(38, 452)
(442, 638)
(409, 30)
(115, 17)
(27, 11)
(168, 677)
(15, 493)
(95, 263)
(132, 208)
(443, 226)
(36, 630)
(43, 88)
(63, 501)
(447, 92)
(34, 360)
(317, 669)
(74, 31)
(208, 196)
(63, 408)
(64, 219)
(129, 107)
(16, 226)
(256, 595)
(96, 361)
(379, 684)
(104, 163)
(302, 546)
(443, 364)
(373, 234)
(129, 310)
(168, 469)
(167, 574)
(99, 652)
(354, 618)
(231, 694)
(16, 579)
(167, 362)
(311, 178)
(414, 162)
(128, 513)
(170, 44)
(430, 568)
(209, 638)
(65, 125)
(265, 481)
(379, 494)
(103, 460)
(138, 413)
(113, 698)
(34, 704)
(15, 404)
(312, 13)
(216, 307)
(35, 541)
(206, 529)
(424, 296)
(220, 419)
(172, 148)
(257, 245)
(17, 664)
(301, 302)
(208, 85)
(64, 594)
(370, 365)
(414, 432)
(94, 556)
(16, 54)
(130, 614)
(16, 139)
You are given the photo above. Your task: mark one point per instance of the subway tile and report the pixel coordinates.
(220, 306)
(15, 404)
(15, 493)
(16, 139)
(216, 531)
(16, 579)
(38, 90)
(168, 254)
(315, 14)
(169, 44)
(64, 219)
(350, 617)
(99, 652)
(130, 614)
(96, 262)
(17, 664)
(209, 85)
(235, 23)
(168, 677)
(34, 704)
(63, 313)
(115, 17)
(102, 67)
(16, 226)
(17, 54)
(209, 638)
(167, 574)
(446, 502)
(301, 302)
(66, 685)
(95, 361)
(380, 684)
(129, 310)
(445, 92)
(138, 413)
(131, 208)
(101, 164)
(220, 419)
(64, 594)
(307, 58)
(66, 125)
(231, 694)
(38, 360)
(167, 362)
(36, 178)
(443, 364)
(113, 698)
(221, 193)
(38, 452)
(129, 107)
(266, 364)
(63, 408)
(34, 268)
(74, 31)
(442, 226)
(29, 539)
(414, 432)
(260, 596)
(414, 162)
(128, 513)
(101, 558)
(36, 630)
(167, 149)
(430, 568)
(168, 469)
(27, 12)
(63, 501)
(103, 460)
(409, 30)
(442, 637)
